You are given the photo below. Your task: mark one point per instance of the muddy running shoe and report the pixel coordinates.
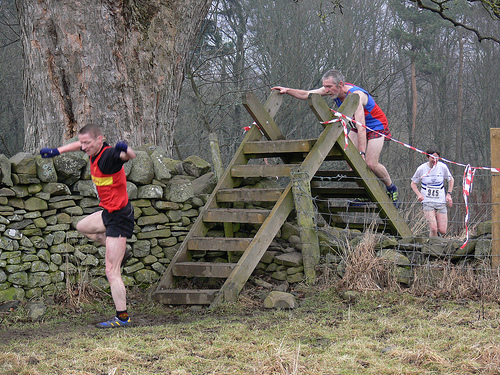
(115, 323)
(394, 196)
(126, 257)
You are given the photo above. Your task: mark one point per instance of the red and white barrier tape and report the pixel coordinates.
(468, 173)
(466, 189)
(247, 128)
(344, 125)
(338, 114)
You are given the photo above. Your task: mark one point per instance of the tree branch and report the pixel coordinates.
(441, 8)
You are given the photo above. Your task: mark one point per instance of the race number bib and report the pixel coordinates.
(435, 195)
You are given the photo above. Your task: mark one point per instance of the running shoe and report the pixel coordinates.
(394, 196)
(115, 323)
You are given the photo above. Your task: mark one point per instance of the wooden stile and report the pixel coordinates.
(302, 160)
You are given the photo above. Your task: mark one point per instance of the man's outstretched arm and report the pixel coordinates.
(51, 152)
(298, 93)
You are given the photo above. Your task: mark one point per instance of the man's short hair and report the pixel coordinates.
(92, 129)
(432, 150)
(335, 75)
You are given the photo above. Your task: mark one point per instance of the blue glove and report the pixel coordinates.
(49, 152)
(121, 146)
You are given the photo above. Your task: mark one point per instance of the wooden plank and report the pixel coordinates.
(270, 148)
(185, 296)
(203, 269)
(218, 244)
(273, 103)
(263, 238)
(261, 116)
(262, 170)
(286, 149)
(249, 195)
(495, 197)
(335, 192)
(296, 151)
(231, 215)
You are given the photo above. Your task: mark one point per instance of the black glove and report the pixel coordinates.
(49, 152)
(121, 146)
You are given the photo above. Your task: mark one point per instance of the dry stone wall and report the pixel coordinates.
(41, 200)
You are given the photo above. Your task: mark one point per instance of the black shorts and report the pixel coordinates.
(119, 223)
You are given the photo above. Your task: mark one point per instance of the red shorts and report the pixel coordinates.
(371, 134)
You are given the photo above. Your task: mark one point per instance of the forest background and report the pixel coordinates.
(437, 83)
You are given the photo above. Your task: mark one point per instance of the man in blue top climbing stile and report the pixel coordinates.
(368, 140)
(111, 226)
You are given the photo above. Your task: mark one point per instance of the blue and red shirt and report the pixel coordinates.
(375, 118)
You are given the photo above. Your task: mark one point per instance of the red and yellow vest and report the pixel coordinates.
(111, 188)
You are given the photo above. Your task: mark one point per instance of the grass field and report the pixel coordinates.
(447, 322)
(331, 332)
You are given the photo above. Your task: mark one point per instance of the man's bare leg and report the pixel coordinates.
(431, 219)
(115, 249)
(93, 228)
(373, 150)
(442, 222)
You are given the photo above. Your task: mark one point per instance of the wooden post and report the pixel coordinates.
(217, 162)
(495, 197)
(216, 159)
(304, 206)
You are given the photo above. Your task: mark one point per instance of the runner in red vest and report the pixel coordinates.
(368, 142)
(111, 226)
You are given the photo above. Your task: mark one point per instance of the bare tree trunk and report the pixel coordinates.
(414, 95)
(458, 127)
(116, 63)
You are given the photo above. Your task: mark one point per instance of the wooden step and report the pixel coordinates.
(331, 192)
(249, 195)
(262, 170)
(229, 215)
(203, 269)
(186, 296)
(218, 243)
(277, 148)
(283, 148)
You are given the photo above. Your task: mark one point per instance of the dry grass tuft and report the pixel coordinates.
(420, 357)
(284, 360)
(446, 280)
(81, 292)
(327, 276)
(489, 359)
(364, 270)
(414, 216)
